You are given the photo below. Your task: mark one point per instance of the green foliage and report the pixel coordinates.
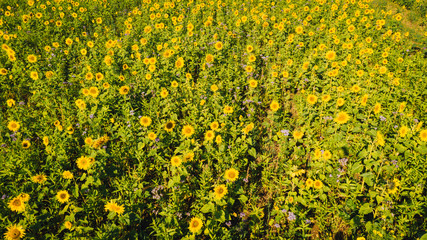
(261, 119)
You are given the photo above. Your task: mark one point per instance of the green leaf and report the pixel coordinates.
(356, 168)
(64, 210)
(76, 191)
(400, 148)
(421, 149)
(369, 178)
(365, 209)
(209, 207)
(363, 153)
(220, 215)
(368, 226)
(243, 199)
(171, 183)
(111, 215)
(252, 152)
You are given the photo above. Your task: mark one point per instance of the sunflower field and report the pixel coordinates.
(222, 119)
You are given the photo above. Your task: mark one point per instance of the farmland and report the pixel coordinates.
(253, 119)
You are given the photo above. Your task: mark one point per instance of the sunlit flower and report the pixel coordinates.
(220, 191)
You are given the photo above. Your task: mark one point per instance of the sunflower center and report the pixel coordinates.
(231, 175)
(195, 224)
(62, 195)
(15, 233)
(17, 202)
(169, 125)
(220, 190)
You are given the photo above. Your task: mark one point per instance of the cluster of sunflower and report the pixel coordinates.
(229, 119)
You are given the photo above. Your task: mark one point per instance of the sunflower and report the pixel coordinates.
(62, 196)
(423, 135)
(89, 76)
(152, 136)
(108, 60)
(326, 98)
(46, 140)
(93, 91)
(317, 154)
(228, 109)
(364, 100)
(188, 156)
(209, 135)
(26, 144)
(14, 232)
(114, 207)
(330, 55)
(169, 126)
(3, 71)
(231, 174)
(298, 134)
(220, 191)
(32, 58)
(327, 155)
(253, 83)
(218, 139)
(41, 178)
(179, 63)
(252, 58)
(124, 90)
(195, 224)
(68, 225)
(219, 45)
(214, 125)
(274, 106)
(309, 183)
(145, 121)
(13, 126)
(83, 163)
(67, 175)
(403, 131)
(24, 197)
(392, 186)
(209, 58)
(342, 118)
(340, 102)
(248, 128)
(34, 75)
(377, 108)
(187, 130)
(214, 88)
(174, 84)
(299, 30)
(17, 204)
(402, 106)
(380, 139)
(164, 93)
(355, 88)
(176, 161)
(312, 99)
(317, 184)
(249, 48)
